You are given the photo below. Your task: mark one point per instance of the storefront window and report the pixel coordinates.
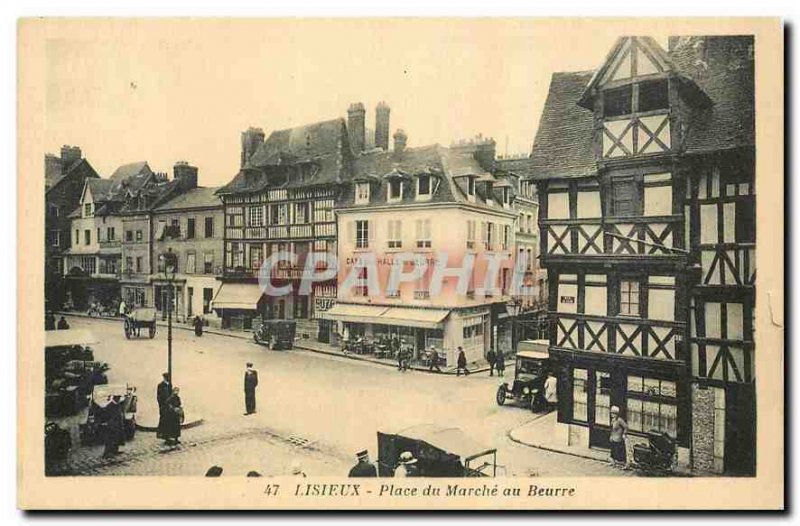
(652, 405)
(580, 394)
(602, 398)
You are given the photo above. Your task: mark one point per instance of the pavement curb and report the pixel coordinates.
(296, 345)
(186, 425)
(510, 435)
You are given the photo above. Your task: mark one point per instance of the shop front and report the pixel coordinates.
(649, 398)
(238, 305)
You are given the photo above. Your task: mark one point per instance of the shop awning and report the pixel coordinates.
(237, 296)
(422, 318)
(355, 313)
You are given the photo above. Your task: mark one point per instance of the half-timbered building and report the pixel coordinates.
(645, 175)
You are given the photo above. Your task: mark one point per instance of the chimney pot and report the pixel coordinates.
(382, 112)
(356, 126)
(400, 141)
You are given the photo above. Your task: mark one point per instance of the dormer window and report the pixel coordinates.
(395, 190)
(650, 96)
(653, 95)
(471, 188)
(87, 210)
(362, 193)
(618, 101)
(506, 196)
(424, 186)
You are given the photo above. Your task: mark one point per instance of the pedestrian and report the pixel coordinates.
(123, 309)
(407, 466)
(113, 432)
(401, 353)
(434, 360)
(163, 392)
(363, 468)
(619, 431)
(198, 326)
(491, 356)
(173, 418)
(62, 324)
(551, 391)
(461, 362)
(500, 363)
(50, 321)
(250, 384)
(297, 470)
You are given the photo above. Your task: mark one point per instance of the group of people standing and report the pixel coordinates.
(497, 362)
(51, 325)
(170, 412)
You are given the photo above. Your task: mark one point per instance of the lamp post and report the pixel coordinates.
(168, 264)
(514, 306)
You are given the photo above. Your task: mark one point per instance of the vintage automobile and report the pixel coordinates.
(530, 374)
(440, 452)
(276, 334)
(92, 431)
(71, 372)
(138, 319)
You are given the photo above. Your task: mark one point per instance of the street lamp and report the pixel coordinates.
(514, 307)
(169, 262)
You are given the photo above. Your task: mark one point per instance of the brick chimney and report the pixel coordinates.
(382, 111)
(186, 173)
(485, 153)
(356, 126)
(251, 140)
(69, 154)
(400, 140)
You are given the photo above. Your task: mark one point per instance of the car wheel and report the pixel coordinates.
(501, 395)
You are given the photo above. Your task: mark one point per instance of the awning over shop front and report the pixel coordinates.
(237, 296)
(355, 313)
(422, 318)
(404, 317)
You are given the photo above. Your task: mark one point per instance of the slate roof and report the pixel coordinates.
(195, 198)
(136, 174)
(323, 147)
(726, 75)
(53, 177)
(563, 146)
(722, 74)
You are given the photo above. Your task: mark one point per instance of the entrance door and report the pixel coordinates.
(189, 300)
(420, 340)
(740, 430)
(603, 392)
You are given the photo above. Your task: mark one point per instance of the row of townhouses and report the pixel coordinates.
(633, 217)
(324, 187)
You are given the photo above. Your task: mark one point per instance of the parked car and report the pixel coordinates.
(530, 374)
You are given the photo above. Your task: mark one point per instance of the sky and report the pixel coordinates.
(164, 91)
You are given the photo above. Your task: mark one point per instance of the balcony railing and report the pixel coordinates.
(624, 336)
(624, 236)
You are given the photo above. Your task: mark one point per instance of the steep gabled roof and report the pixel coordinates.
(53, 179)
(322, 146)
(195, 198)
(136, 174)
(564, 141)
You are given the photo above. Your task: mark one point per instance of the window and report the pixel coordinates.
(506, 237)
(423, 233)
(255, 216)
(208, 263)
(128, 235)
(208, 295)
(138, 235)
(190, 228)
(580, 395)
(53, 210)
(256, 256)
(362, 193)
(618, 101)
(362, 234)
(624, 197)
(506, 195)
(139, 264)
(745, 221)
(653, 95)
(652, 405)
(471, 186)
(488, 235)
(87, 209)
(629, 298)
(190, 263)
(128, 264)
(395, 189)
(235, 216)
(362, 289)
(55, 238)
(111, 233)
(87, 237)
(602, 398)
(301, 214)
(98, 235)
(470, 234)
(237, 255)
(282, 214)
(395, 233)
(77, 237)
(424, 186)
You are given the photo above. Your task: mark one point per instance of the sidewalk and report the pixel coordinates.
(299, 343)
(541, 434)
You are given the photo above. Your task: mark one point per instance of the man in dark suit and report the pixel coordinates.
(250, 384)
(163, 391)
(363, 468)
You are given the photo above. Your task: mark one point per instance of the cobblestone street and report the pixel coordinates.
(313, 409)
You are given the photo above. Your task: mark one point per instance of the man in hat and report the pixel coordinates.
(163, 392)
(434, 360)
(363, 468)
(250, 384)
(619, 430)
(461, 362)
(406, 466)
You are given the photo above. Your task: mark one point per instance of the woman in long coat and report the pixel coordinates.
(173, 418)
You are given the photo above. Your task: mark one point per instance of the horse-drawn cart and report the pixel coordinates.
(138, 319)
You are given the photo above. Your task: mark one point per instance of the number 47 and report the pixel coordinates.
(272, 489)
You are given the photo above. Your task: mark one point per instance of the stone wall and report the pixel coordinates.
(702, 428)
